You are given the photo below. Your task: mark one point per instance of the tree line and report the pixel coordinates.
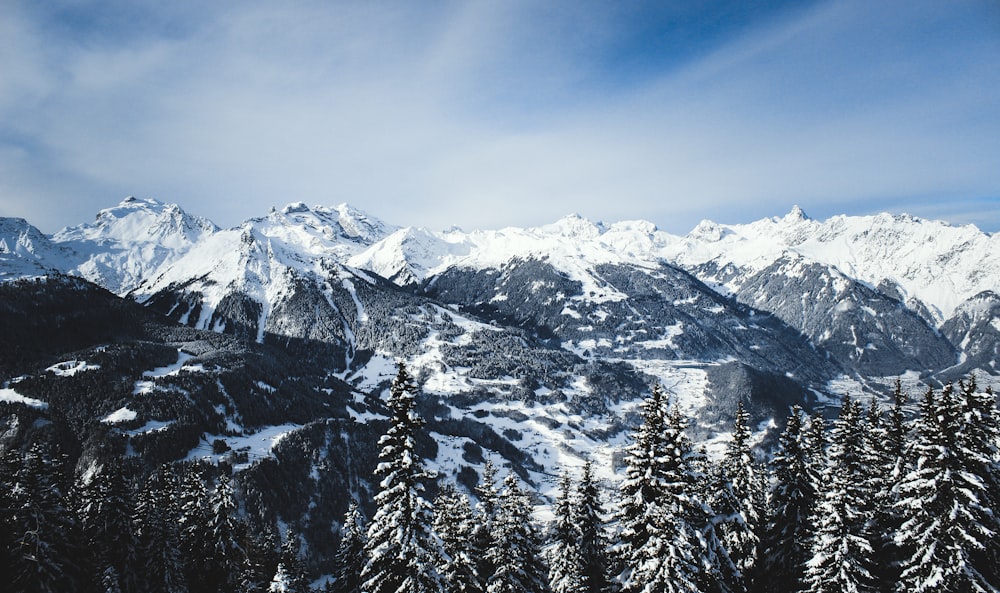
(874, 500)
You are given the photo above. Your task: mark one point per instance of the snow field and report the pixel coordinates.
(12, 397)
(71, 367)
(257, 446)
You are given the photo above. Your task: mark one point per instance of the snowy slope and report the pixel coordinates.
(573, 245)
(937, 264)
(975, 327)
(263, 263)
(131, 242)
(907, 257)
(25, 251)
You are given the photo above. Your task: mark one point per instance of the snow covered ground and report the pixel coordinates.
(12, 397)
(71, 367)
(255, 446)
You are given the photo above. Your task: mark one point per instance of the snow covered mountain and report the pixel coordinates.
(533, 346)
(243, 279)
(866, 296)
(871, 291)
(975, 329)
(130, 242)
(929, 265)
(26, 252)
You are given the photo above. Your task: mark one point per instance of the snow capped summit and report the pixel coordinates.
(244, 280)
(25, 251)
(340, 222)
(310, 234)
(574, 226)
(573, 245)
(130, 242)
(18, 237)
(938, 264)
(796, 215)
(708, 232)
(409, 254)
(361, 225)
(137, 220)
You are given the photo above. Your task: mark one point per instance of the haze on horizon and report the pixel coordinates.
(491, 114)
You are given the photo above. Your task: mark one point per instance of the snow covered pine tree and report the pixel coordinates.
(404, 553)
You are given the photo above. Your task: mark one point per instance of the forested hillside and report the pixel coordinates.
(875, 500)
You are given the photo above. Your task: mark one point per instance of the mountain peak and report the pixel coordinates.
(708, 230)
(141, 220)
(128, 241)
(295, 207)
(134, 203)
(19, 237)
(25, 251)
(574, 225)
(797, 214)
(360, 225)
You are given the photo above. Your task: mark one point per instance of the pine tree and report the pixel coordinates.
(658, 550)
(192, 506)
(981, 439)
(878, 465)
(404, 553)
(897, 432)
(718, 573)
(454, 523)
(224, 557)
(841, 549)
(516, 549)
(350, 558)
(740, 529)
(290, 576)
(483, 534)
(43, 528)
(161, 562)
(946, 523)
(10, 461)
(105, 512)
(816, 444)
(563, 552)
(786, 541)
(588, 515)
(261, 558)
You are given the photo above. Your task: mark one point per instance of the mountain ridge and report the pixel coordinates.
(142, 247)
(268, 347)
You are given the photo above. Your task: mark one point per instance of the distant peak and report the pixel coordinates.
(574, 225)
(132, 202)
(295, 207)
(708, 230)
(642, 226)
(797, 214)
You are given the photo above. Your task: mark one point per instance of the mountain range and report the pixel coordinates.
(154, 332)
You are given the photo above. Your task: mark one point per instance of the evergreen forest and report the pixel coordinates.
(903, 498)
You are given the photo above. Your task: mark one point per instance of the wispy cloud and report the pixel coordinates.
(489, 114)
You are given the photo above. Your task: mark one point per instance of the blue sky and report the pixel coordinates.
(488, 114)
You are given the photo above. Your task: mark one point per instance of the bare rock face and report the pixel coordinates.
(864, 330)
(974, 329)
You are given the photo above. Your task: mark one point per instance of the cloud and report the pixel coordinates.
(489, 114)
